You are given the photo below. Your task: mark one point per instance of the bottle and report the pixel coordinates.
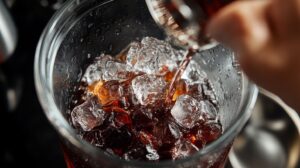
(185, 20)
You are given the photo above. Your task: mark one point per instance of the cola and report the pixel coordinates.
(124, 107)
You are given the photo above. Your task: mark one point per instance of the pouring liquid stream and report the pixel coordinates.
(182, 66)
(168, 15)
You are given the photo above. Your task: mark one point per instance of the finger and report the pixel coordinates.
(285, 16)
(241, 26)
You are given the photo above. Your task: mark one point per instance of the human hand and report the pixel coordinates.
(266, 37)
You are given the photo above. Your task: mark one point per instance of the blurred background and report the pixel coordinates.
(27, 138)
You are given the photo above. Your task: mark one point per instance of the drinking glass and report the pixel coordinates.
(83, 29)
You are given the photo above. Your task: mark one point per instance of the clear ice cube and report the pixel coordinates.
(208, 91)
(186, 111)
(88, 115)
(105, 68)
(209, 132)
(153, 56)
(152, 153)
(208, 110)
(193, 73)
(94, 72)
(137, 152)
(107, 92)
(183, 148)
(148, 88)
(132, 55)
(174, 130)
(116, 71)
(196, 91)
(163, 47)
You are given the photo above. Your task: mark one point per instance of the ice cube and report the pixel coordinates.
(208, 110)
(106, 68)
(108, 92)
(91, 74)
(166, 132)
(186, 111)
(95, 71)
(209, 93)
(88, 115)
(116, 71)
(152, 153)
(153, 56)
(137, 152)
(196, 91)
(178, 55)
(132, 55)
(163, 47)
(183, 148)
(175, 131)
(148, 139)
(193, 73)
(148, 88)
(210, 131)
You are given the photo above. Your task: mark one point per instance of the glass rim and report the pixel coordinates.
(45, 96)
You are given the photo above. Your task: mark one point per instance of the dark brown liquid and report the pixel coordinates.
(133, 131)
(128, 129)
(124, 127)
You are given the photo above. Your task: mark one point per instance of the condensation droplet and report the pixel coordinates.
(117, 31)
(101, 38)
(90, 25)
(110, 47)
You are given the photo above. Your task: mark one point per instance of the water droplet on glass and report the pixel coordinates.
(110, 47)
(79, 75)
(101, 38)
(90, 25)
(117, 31)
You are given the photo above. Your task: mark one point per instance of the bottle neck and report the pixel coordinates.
(183, 19)
(183, 12)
